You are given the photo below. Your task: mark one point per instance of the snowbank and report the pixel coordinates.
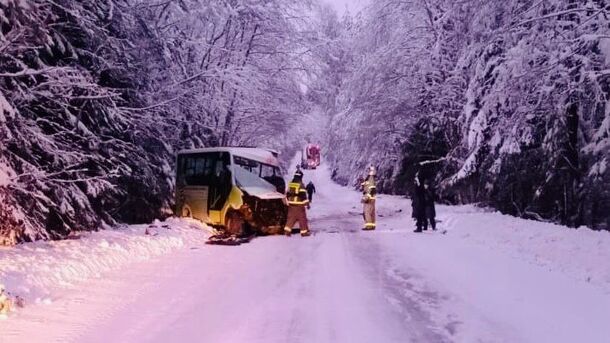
(36, 271)
(580, 254)
(504, 279)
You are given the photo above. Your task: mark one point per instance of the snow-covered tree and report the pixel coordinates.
(502, 103)
(96, 97)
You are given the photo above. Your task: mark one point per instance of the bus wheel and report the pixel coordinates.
(186, 212)
(235, 223)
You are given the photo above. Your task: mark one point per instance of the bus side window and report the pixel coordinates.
(189, 170)
(181, 166)
(219, 168)
(209, 165)
(195, 170)
(200, 163)
(223, 170)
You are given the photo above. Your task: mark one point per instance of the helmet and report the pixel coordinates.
(372, 171)
(298, 173)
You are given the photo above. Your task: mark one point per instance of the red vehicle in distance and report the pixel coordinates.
(310, 156)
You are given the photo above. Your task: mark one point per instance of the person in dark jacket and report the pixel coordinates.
(430, 211)
(418, 204)
(311, 189)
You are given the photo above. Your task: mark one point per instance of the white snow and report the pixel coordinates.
(4, 176)
(467, 169)
(490, 278)
(43, 270)
(5, 109)
(604, 45)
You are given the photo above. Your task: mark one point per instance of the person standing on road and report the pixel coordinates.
(297, 201)
(5, 302)
(369, 192)
(418, 205)
(311, 189)
(430, 211)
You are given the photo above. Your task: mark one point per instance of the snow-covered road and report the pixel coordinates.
(491, 278)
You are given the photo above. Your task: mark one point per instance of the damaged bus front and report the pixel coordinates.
(238, 190)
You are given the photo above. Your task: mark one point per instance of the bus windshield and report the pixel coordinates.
(267, 172)
(247, 180)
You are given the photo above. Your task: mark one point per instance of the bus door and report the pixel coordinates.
(203, 184)
(193, 185)
(222, 183)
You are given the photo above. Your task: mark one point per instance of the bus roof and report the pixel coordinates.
(257, 154)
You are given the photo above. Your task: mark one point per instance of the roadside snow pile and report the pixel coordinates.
(35, 271)
(581, 254)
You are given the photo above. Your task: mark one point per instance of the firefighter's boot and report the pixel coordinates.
(369, 227)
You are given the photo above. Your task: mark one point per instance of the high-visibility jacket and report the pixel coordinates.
(5, 304)
(297, 194)
(369, 190)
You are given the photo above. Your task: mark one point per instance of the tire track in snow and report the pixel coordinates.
(407, 308)
(413, 304)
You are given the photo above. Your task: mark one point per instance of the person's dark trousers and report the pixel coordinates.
(422, 223)
(432, 221)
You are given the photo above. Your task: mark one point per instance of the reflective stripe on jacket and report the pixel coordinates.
(297, 194)
(369, 190)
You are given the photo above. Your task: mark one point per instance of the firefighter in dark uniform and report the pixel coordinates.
(297, 202)
(369, 192)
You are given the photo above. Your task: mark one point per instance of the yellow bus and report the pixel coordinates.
(235, 189)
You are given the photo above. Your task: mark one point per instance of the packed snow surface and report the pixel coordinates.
(490, 278)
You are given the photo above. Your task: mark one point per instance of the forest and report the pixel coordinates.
(499, 103)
